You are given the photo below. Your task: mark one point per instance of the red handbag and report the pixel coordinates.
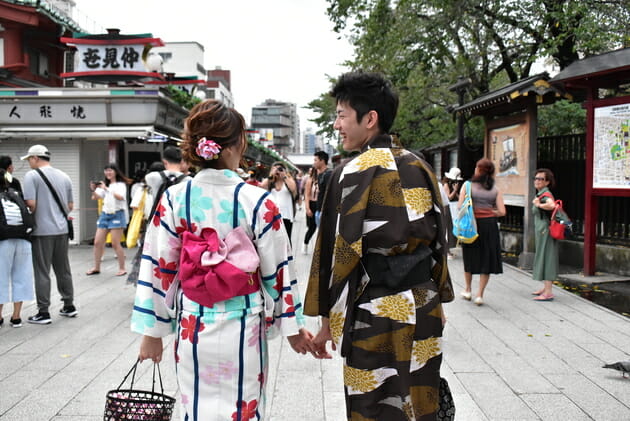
(558, 225)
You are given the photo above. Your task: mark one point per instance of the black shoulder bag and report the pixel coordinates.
(61, 208)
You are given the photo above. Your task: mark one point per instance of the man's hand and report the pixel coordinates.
(320, 340)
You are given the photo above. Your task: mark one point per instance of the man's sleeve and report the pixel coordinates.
(29, 187)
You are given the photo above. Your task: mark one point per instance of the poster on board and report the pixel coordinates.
(611, 147)
(507, 148)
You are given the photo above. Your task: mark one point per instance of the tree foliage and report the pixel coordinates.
(182, 97)
(424, 45)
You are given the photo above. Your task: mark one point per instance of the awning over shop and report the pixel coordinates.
(147, 133)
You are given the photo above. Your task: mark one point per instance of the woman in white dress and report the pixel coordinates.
(217, 270)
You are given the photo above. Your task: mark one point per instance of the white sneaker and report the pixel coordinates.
(478, 301)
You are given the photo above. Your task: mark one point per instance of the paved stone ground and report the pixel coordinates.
(511, 359)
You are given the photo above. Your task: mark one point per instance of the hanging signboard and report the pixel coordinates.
(113, 58)
(611, 148)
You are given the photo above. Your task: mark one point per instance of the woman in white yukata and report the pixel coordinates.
(217, 270)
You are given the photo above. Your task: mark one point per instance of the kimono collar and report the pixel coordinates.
(378, 141)
(543, 190)
(218, 177)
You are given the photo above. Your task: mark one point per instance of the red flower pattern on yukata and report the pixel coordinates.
(279, 281)
(159, 213)
(248, 410)
(188, 328)
(270, 215)
(183, 227)
(289, 300)
(167, 278)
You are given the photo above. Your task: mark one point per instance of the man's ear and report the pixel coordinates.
(372, 121)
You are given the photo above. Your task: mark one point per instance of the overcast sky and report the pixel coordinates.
(280, 49)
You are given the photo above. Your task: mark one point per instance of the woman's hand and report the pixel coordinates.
(302, 342)
(151, 348)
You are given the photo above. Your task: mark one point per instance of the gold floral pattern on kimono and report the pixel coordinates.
(423, 351)
(418, 201)
(363, 381)
(399, 307)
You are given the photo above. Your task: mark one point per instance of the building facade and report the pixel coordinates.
(281, 120)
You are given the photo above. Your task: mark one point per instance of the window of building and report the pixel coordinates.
(38, 62)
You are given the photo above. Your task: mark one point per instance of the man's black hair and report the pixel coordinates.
(323, 156)
(5, 162)
(365, 92)
(172, 154)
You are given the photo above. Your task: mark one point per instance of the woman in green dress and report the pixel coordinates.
(546, 258)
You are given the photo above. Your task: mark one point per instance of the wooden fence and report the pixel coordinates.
(565, 156)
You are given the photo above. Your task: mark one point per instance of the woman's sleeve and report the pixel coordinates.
(158, 267)
(283, 304)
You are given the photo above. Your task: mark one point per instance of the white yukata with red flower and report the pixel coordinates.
(220, 351)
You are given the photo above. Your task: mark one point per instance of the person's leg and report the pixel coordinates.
(21, 276)
(17, 310)
(483, 282)
(61, 266)
(99, 248)
(6, 261)
(42, 260)
(468, 281)
(118, 249)
(288, 224)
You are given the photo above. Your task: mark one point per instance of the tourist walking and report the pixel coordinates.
(483, 256)
(235, 285)
(379, 276)
(311, 190)
(113, 218)
(48, 194)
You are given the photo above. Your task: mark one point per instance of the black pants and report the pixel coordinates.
(288, 224)
(310, 223)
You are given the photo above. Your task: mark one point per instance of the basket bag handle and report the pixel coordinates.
(132, 373)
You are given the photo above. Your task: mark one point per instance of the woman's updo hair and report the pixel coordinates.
(211, 119)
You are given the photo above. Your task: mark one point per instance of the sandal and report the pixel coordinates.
(543, 297)
(121, 273)
(92, 272)
(540, 291)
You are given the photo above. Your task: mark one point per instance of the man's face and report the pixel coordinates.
(318, 163)
(32, 161)
(353, 134)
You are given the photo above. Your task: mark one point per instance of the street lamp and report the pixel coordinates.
(462, 85)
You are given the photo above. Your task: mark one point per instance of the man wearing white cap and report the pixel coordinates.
(50, 237)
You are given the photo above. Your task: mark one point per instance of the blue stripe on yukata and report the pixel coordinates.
(256, 209)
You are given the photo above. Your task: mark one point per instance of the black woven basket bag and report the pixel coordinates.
(134, 404)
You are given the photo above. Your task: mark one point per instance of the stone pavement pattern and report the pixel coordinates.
(511, 359)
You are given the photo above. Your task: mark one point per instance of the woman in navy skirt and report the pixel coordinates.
(483, 257)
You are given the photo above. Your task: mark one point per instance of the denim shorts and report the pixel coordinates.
(111, 220)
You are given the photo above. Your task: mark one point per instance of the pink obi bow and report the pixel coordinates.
(213, 270)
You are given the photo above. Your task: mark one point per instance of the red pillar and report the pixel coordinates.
(590, 200)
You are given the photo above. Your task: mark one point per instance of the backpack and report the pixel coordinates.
(28, 219)
(167, 181)
(465, 226)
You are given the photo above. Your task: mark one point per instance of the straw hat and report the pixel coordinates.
(454, 174)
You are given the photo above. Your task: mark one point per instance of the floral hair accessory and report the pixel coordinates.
(208, 149)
